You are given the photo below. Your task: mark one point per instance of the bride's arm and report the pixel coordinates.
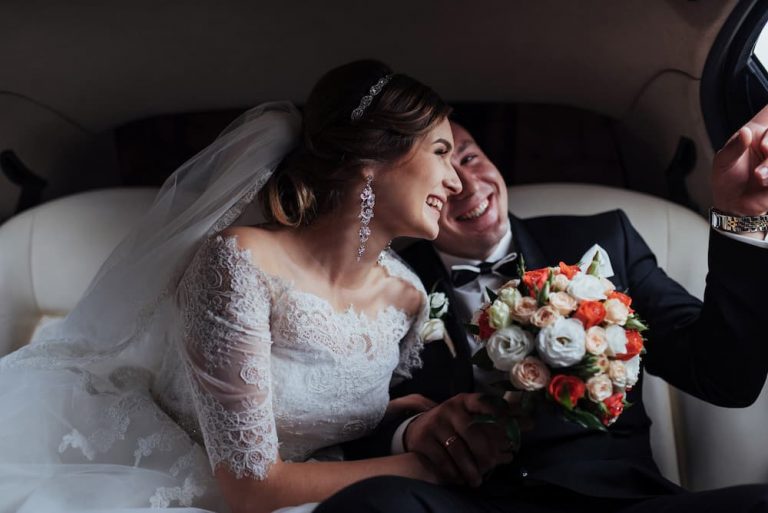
(225, 304)
(289, 484)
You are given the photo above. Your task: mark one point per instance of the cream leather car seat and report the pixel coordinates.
(49, 254)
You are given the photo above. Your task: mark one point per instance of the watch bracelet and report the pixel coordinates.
(737, 224)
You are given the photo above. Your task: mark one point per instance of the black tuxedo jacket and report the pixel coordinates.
(714, 350)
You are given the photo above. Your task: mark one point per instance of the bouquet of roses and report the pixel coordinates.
(564, 333)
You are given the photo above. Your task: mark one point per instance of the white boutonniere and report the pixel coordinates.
(434, 328)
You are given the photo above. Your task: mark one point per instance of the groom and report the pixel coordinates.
(561, 466)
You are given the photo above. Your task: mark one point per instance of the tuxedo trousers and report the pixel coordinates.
(391, 494)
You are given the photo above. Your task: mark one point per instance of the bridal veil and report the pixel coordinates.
(77, 407)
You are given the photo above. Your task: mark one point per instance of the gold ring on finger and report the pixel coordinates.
(450, 440)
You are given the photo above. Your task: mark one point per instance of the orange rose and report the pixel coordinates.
(614, 406)
(535, 280)
(623, 298)
(590, 313)
(567, 390)
(634, 345)
(569, 270)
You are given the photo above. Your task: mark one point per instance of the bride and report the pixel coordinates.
(266, 344)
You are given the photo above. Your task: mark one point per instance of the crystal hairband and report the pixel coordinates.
(368, 98)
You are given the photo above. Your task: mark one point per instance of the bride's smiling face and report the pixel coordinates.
(411, 193)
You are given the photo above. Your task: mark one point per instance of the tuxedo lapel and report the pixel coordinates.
(525, 244)
(439, 364)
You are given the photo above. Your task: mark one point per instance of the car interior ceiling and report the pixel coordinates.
(592, 91)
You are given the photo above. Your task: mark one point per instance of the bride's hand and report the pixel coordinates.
(408, 405)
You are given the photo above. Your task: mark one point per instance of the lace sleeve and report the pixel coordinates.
(412, 343)
(225, 307)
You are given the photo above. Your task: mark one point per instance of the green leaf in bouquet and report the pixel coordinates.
(584, 419)
(543, 293)
(587, 367)
(634, 323)
(594, 266)
(473, 329)
(565, 398)
(492, 296)
(521, 266)
(482, 360)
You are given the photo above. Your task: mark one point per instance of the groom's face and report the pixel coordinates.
(473, 222)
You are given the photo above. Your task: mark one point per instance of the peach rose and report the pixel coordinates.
(563, 302)
(560, 282)
(603, 363)
(544, 316)
(529, 374)
(618, 373)
(599, 387)
(596, 340)
(616, 312)
(524, 310)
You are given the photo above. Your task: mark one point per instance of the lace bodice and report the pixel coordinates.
(270, 369)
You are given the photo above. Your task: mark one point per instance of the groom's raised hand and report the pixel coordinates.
(740, 170)
(460, 448)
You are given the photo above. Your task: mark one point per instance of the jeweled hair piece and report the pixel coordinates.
(366, 100)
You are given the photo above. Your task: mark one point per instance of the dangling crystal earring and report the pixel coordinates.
(368, 199)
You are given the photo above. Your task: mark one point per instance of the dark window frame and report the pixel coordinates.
(734, 84)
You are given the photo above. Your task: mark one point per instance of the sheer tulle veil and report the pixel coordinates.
(119, 312)
(81, 430)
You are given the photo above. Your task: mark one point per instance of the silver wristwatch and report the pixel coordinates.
(737, 224)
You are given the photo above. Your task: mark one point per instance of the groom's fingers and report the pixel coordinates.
(460, 454)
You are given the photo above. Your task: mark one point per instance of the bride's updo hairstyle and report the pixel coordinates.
(334, 147)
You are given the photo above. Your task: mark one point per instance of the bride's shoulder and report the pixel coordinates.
(406, 289)
(260, 245)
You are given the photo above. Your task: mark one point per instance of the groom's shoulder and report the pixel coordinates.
(608, 225)
(608, 218)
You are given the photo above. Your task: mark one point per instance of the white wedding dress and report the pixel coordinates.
(183, 356)
(259, 368)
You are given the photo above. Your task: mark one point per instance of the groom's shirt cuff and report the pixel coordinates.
(747, 240)
(398, 439)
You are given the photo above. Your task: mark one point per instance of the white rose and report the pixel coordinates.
(560, 282)
(438, 304)
(599, 387)
(432, 330)
(632, 368)
(618, 373)
(563, 302)
(617, 340)
(508, 346)
(596, 341)
(616, 312)
(561, 344)
(585, 287)
(544, 316)
(524, 309)
(608, 285)
(498, 315)
(510, 296)
(529, 374)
